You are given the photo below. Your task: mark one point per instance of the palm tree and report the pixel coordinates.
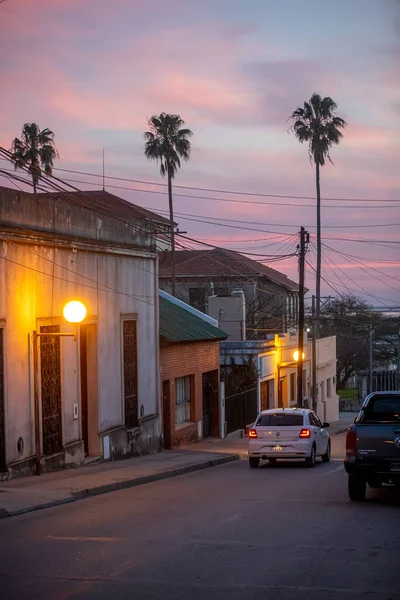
(35, 150)
(167, 143)
(316, 122)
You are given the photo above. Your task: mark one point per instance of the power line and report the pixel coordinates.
(379, 298)
(265, 291)
(208, 221)
(109, 289)
(217, 191)
(364, 268)
(181, 214)
(74, 198)
(213, 198)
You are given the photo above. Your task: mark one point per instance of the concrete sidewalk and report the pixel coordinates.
(19, 496)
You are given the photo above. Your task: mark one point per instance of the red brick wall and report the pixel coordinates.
(179, 360)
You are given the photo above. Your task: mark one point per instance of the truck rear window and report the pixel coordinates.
(280, 420)
(382, 409)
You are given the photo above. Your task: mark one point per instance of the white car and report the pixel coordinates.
(288, 433)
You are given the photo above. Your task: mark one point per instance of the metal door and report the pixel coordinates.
(50, 372)
(130, 373)
(207, 398)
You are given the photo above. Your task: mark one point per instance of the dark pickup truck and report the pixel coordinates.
(373, 445)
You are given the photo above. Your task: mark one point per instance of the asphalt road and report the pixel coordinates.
(284, 532)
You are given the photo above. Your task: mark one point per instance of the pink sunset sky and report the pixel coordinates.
(93, 71)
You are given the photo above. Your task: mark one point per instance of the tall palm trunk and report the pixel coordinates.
(319, 247)
(171, 223)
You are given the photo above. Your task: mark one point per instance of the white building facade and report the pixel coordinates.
(65, 399)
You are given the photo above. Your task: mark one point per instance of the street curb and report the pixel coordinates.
(122, 485)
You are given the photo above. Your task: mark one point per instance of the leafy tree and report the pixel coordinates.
(167, 143)
(350, 319)
(265, 316)
(35, 150)
(239, 377)
(317, 124)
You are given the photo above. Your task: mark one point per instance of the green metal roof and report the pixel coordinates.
(180, 325)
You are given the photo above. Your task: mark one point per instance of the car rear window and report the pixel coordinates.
(381, 409)
(280, 420)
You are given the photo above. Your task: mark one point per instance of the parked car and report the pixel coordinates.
(288, 434)
(373, 445)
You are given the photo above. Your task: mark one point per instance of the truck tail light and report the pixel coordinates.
(351, 442)
(253, 434)
(305, 433)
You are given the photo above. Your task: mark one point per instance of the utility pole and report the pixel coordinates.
(398, 354)
(314, 357)
(371, 332)
(104, 174)
(302, 249)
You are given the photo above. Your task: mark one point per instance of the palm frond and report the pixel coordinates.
(317, 123)
(167, 142)
(35, 150)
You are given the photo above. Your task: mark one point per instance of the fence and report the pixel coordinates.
(240, 409)
(382, 381)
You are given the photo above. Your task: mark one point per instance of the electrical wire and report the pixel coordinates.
(355, 261)
(214, 199)
(362, 269)
(380, 299)
(182, 214)
(217, 191)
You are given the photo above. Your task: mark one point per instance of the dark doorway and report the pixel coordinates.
(50, 374)
(2, 415)
(166, 406)
(280, 393)
(210, 404)
(267, 394)
(89, 389)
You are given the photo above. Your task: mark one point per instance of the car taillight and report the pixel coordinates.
(351, 442)
(253, 434)
(305, 433)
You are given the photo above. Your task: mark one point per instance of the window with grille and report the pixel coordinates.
(183, 397)
(130, 373)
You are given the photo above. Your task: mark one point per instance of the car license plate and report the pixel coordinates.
(277, 448)
(395, 467)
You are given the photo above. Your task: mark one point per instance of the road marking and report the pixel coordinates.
(335, 470)
(230, 519)
(82, 538)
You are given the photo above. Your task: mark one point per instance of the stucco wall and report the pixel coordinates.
(33, 292)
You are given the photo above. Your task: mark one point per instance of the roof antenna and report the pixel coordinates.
(104, 184)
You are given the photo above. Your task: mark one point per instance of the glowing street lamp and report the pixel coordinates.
(296, 355)
(74, 312)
